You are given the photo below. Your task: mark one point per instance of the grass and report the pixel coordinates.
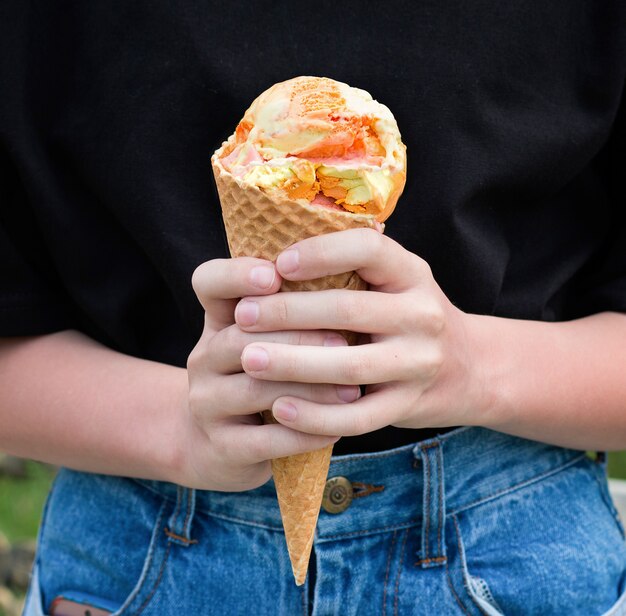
(617, 464)
(22, 501)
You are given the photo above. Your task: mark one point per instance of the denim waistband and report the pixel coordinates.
(416, 484)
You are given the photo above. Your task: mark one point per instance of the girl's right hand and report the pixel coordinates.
(226, 445)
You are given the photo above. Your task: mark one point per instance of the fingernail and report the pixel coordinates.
(285, 410)
(247, 313)
(348, 393)
(288, 261)
(255, 359)
(262, 276)
(335, 340)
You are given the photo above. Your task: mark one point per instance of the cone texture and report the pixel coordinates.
(257, 226)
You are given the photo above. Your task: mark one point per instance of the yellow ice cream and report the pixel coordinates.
(322, 141)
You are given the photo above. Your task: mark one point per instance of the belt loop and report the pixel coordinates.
(433, 553)
(179, 524)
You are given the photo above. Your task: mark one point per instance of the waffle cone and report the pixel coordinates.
(258, 226)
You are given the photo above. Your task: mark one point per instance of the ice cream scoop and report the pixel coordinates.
(321, 141)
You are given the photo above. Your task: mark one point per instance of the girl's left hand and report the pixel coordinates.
(417, 365)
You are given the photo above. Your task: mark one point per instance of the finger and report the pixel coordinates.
(378, 259)
(267, 442)
(371, 412)
(370, 363)
(229, 279)
(240, 394)
(360, 311)
(223, 351)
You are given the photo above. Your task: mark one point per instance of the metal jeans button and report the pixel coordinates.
(338, 494)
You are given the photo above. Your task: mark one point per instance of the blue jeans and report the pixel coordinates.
(472, 522)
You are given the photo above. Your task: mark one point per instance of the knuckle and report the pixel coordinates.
(193, 359)
(348, 308)
(257, 449)
(432, 362)
(355, 367)
(373, 240)
(435, 318)
(281, 309)
(221, 443)
(255, 390)
(423, 267)
(364, 422)
(200, 279)
(231, 339)
(319, 423)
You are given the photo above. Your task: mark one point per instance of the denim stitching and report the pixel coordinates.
(461, 549)
(440, 513)
(147, 600)
(305, 607)
(370, 456)
(148, 562)
(456, 597)
(606, 499)
(520, 485)
(406, 525)
(438, 559)
(174, 518)
(186, 530)
(426, 546)
(393, 543)
(172, 535)
(227, 518)
(365, 489)
(397, 585)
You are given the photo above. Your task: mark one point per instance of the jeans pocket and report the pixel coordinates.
(549, 547)
(103, 536)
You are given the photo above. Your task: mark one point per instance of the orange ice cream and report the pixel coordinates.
(323, 142)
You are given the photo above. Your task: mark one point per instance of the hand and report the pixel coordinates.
(227, 446)
(418, 363)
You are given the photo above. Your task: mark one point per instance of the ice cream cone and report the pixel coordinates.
(257, 226)
(310, 156)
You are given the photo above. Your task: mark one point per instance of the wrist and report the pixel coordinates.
(486, 366)
(172, 440)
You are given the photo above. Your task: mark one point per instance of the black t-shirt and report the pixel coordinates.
(109, 112)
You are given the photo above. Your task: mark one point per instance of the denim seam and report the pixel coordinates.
(397, 584)
(464, 567)
(406, 525)
(179, 500)
(427, 561)
(606, 499)
(518, 486)
(370, 456)
(186, 529)
(159, 493)
(180, 538)
(452, 589)
(147, 600)
(440, 512)
(221, 516)
(148, 562)
(389, 555)
(427, 509)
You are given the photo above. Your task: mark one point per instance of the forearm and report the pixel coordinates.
(562, 383)
(68, 400)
